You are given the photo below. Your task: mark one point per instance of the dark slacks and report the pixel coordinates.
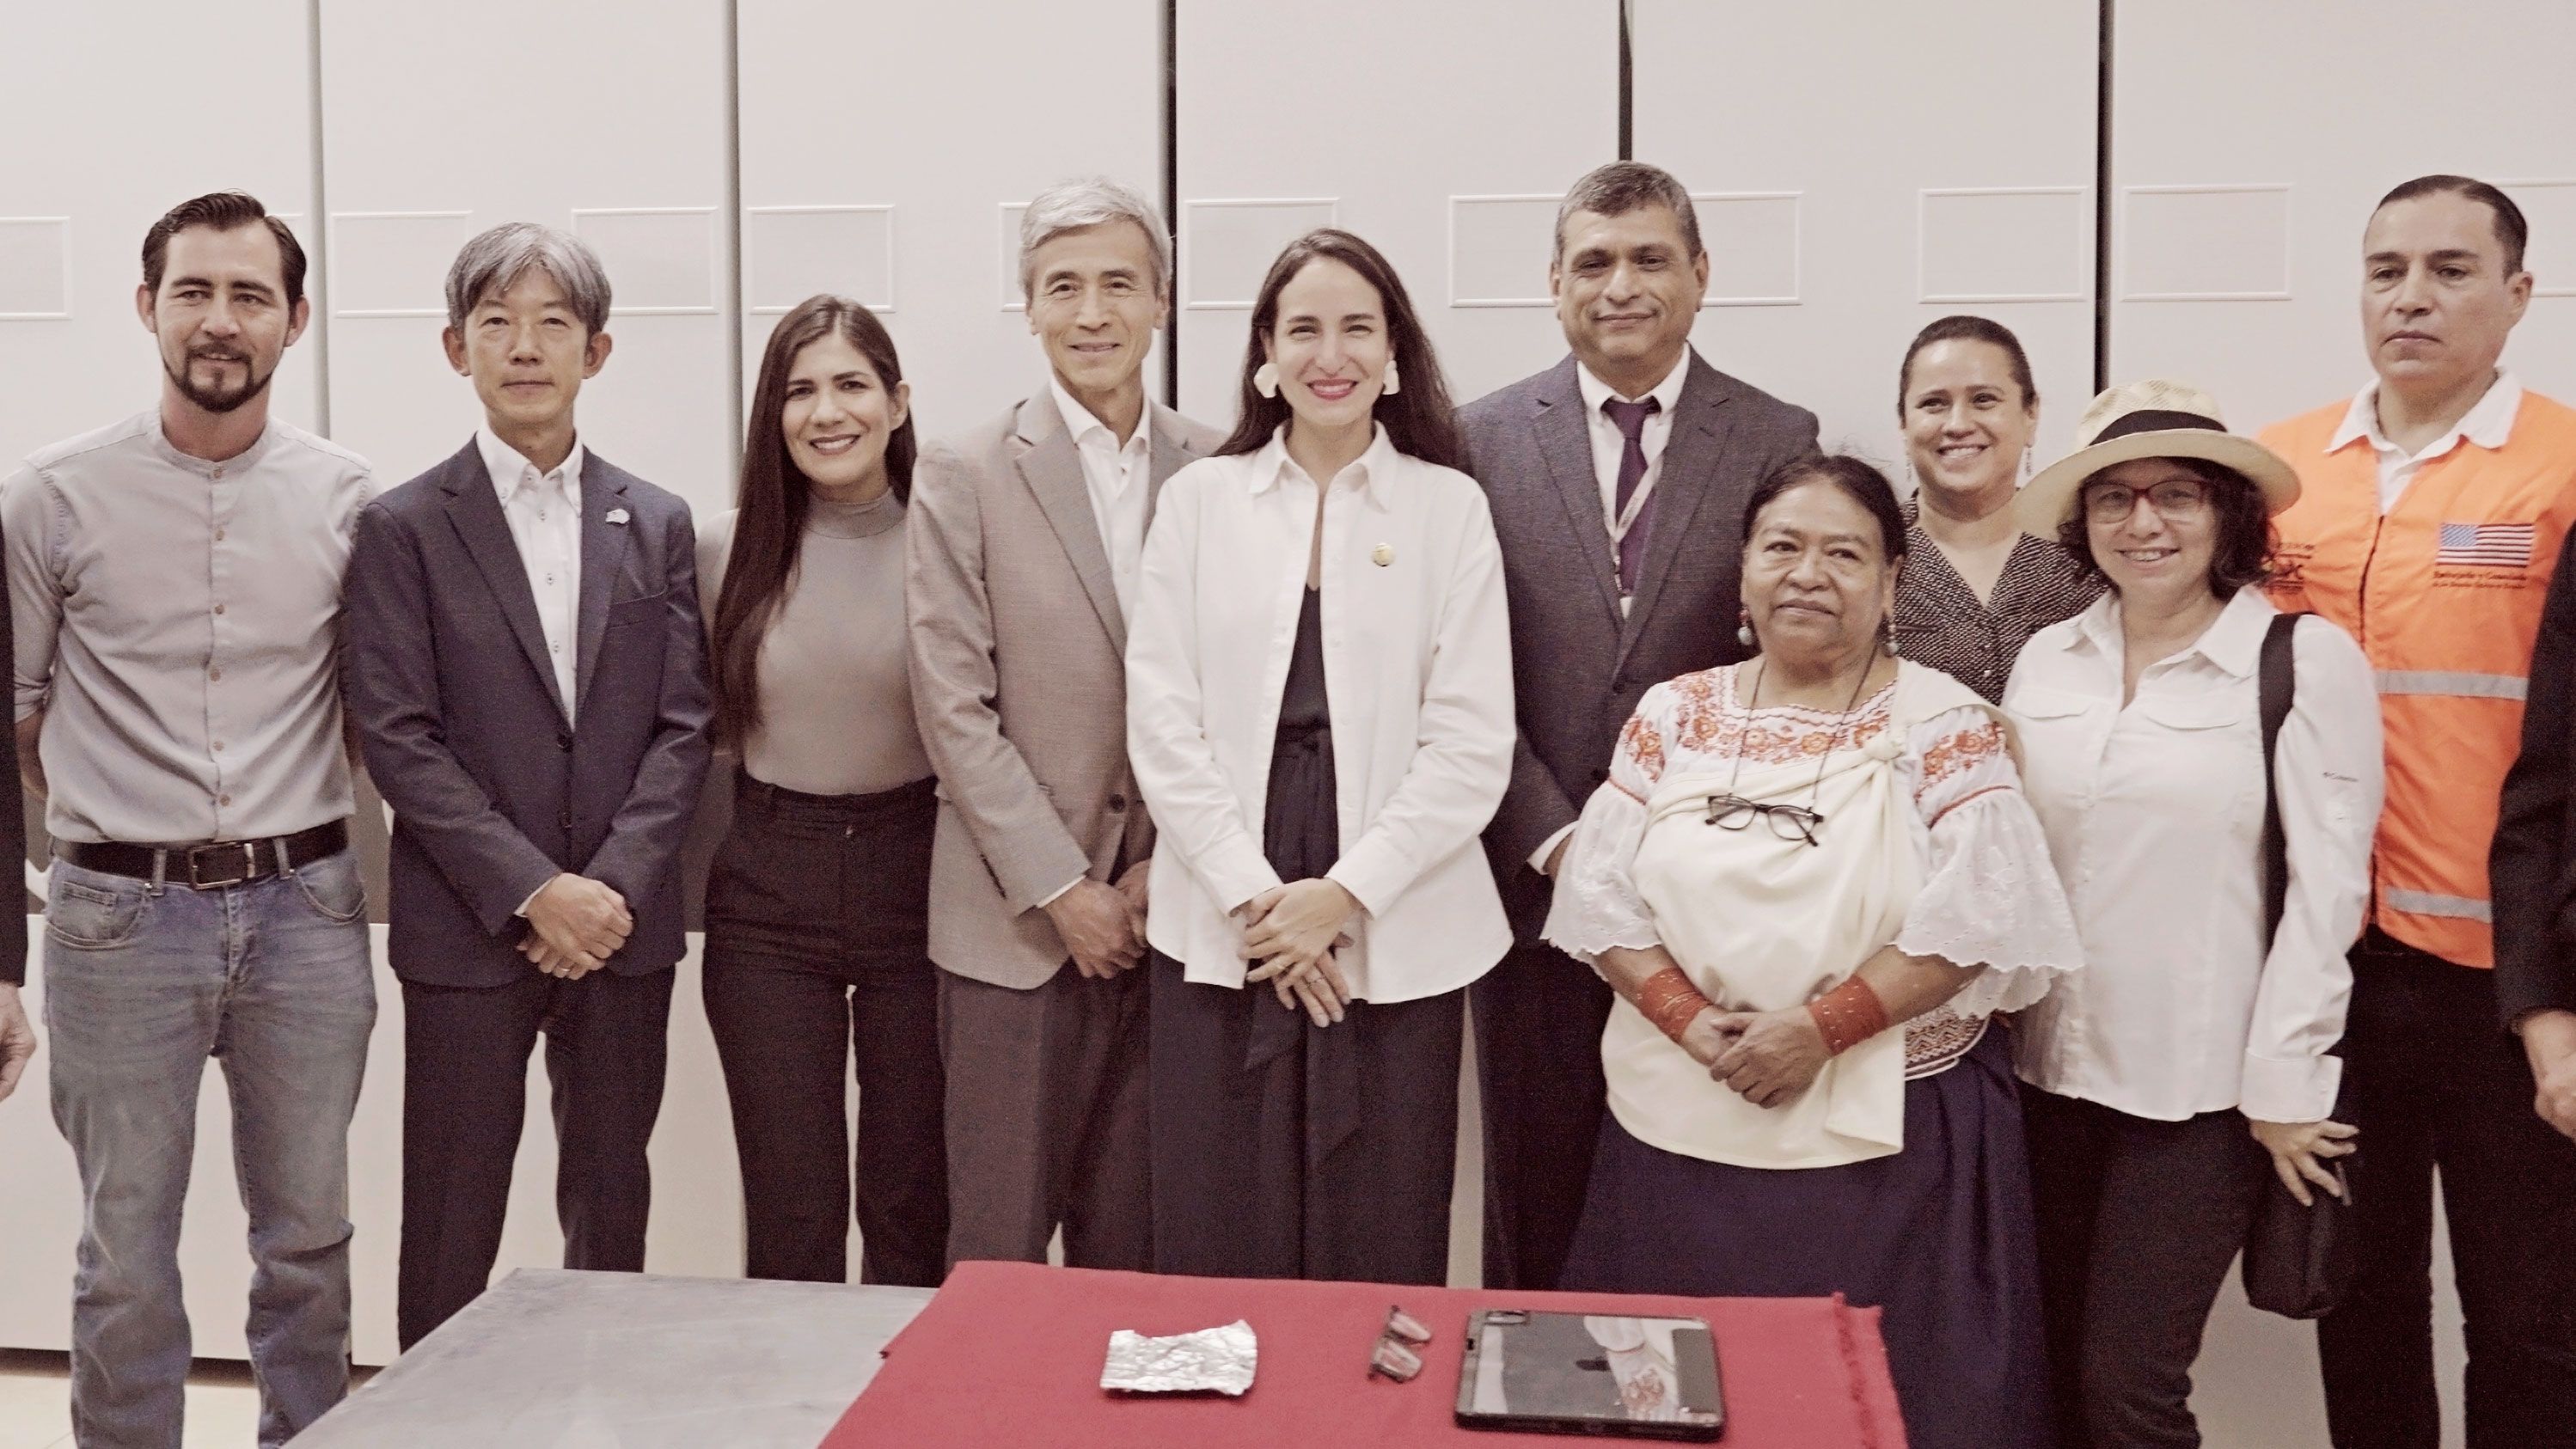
(2436, 1083)
(1539, 1016)
(1046, 1119)
(1303, 1166)
(465, 1076)
(2138, 1223)
(818, 955)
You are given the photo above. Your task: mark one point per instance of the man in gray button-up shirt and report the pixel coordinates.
(175, 583)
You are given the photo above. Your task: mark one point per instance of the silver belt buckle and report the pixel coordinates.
(249, 863)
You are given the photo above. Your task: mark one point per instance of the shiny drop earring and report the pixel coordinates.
(1888, 628)
(1392, 383)
(1744, 628)
(1265, 379)
(2025, 463)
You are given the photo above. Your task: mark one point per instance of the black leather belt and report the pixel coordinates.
(216, 863)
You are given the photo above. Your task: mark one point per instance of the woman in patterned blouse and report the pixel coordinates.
(1811, 878)
(1975, 587)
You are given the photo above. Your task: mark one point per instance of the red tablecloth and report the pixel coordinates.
(1008, 1356)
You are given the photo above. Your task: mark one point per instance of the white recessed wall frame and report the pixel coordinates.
(1227, 244)
(35, 269)
(1978, 244)
(394, 263)
(2550, 207)
(1493, 241)
(1007, 256)
(1755, 247)
(662, 257)
(2205, 243)
(792, 252)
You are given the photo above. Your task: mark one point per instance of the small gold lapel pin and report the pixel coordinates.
(617, 515)
(1383, 555)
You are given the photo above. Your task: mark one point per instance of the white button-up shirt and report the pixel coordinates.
(2154, 815)
(2489, 425)
(1115, 474)
(1418, 665)
(544, 510)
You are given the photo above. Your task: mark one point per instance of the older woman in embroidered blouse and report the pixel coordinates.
(1812, 878)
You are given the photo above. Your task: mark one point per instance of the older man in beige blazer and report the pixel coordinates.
(1022, 558)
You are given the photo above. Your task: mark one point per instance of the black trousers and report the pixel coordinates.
(2139, 1221)
(1538, 1016)
(1304, 1166)
(2438, 1084)
(817, 957)
(465, 1080)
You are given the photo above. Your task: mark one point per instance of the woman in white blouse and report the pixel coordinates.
(2142, 746)
(1811, 879)
(1320, 718)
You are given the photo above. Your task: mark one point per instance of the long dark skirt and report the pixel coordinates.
(1940, 1235)
(1332, 1159)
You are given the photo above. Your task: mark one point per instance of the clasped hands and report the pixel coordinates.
(1289, 934)
(1102, 925)
(574, 925)
(1767, 1057)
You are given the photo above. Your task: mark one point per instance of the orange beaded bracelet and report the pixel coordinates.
(1848, 1015)
(1668, 999)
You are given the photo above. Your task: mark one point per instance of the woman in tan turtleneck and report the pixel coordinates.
(817, 908)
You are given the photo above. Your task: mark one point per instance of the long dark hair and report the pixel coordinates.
(770, 531)
(1419, 418)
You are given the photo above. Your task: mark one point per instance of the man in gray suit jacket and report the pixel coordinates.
(528, 676)
(1022, 555)
(1617, 480)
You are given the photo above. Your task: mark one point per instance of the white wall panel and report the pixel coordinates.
(2246, 169)
(1865, 168)
(107, 114)
(573, 113)
(943, 119)
(1413, 125)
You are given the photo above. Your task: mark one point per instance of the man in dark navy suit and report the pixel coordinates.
(1617, 480)
(529, 676)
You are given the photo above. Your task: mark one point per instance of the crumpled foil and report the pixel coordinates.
(1212, 1360)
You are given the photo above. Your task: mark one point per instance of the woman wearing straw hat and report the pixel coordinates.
(1811, 879)
(2142, 752)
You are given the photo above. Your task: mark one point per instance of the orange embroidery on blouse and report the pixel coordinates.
(1960, 751)
(1645, 745)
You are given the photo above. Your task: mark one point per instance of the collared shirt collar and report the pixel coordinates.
(2489, 424)
(1079, 421)
(2233, 642)
(207, 467)
(1668, 392)
(1377, 466)
(508, 466)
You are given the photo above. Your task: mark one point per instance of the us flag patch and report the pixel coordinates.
(2486, 545)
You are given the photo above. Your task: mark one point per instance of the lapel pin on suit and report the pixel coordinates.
(1383, 555)
(617, 515)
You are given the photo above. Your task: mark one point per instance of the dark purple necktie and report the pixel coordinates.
(1630, 419)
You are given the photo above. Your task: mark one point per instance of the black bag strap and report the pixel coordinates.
(2276, 682)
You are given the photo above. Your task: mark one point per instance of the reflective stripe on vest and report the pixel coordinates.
(2458, 684)
(2425, 903)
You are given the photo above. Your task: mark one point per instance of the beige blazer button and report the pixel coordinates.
(1383, 555)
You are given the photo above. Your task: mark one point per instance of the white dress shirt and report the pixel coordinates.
(1115, 475)
(544, 510)
(2154, 815)
(1608, 445)
(1418, 664)
(2489, 425)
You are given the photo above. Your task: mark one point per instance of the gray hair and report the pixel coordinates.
(494, 262)
(1089, 202)
(1622, 187)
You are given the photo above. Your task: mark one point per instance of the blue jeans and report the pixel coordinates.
(143, 983)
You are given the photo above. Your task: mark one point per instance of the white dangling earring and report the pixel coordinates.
(1392, 382)
(2025, 463)
(1744, 630)
(1265, 379)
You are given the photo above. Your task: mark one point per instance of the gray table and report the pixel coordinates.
(552, 1359)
